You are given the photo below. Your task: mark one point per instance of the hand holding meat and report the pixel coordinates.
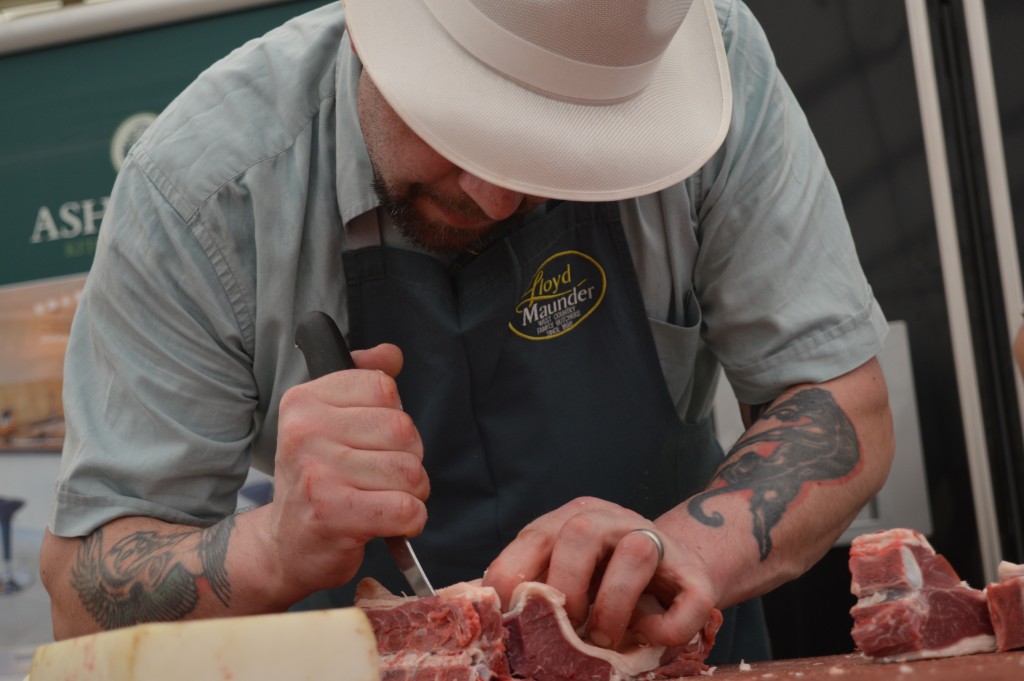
(349, 468)
(588, 550)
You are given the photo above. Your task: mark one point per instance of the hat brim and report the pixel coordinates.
(520, 139)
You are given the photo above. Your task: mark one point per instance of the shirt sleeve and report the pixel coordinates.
(158, 389)
(783, 296)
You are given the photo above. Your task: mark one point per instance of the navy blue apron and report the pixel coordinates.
(531, 373)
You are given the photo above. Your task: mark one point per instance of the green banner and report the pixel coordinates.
(68, 114)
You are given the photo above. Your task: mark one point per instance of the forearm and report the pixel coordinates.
(135, 570)
(790, 486)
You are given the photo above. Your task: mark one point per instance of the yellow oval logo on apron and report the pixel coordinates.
(565, 290)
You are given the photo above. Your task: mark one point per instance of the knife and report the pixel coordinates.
(325, 351)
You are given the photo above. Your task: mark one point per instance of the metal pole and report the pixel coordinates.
(995, 173)
(953, 284)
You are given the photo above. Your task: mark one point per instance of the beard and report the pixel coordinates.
(434, 236)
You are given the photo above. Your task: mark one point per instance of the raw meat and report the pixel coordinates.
(911, 603)
(542, 645)
(460, 634)
(456, 635)
(1006, 607)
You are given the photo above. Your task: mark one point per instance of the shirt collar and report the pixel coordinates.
(354, 175)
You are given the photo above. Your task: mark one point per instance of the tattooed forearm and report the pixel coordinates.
(812, 441)
(213, 549)
(151, 577)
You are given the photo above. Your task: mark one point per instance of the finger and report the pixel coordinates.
(686, 616)
(306, 419)
(354, 388)
(384, 357)
(376, 471)
(630, 569)
(528, 556)
(578, 549)
(525, 559)
(368, 428)
(348, 512)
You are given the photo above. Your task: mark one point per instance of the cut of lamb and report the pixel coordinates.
(911, 603)
(461, 635)
(456, 635)
(542, 645)
(1006, 606)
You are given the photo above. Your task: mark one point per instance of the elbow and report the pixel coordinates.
(875, 431)
(56, 558)
(880, 449)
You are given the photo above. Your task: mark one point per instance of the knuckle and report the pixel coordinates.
(702, 600)
(597, 504)
(385, 389)
(637, 548)
(410, 471)
(402, 427)
(674, 636)
(291, 398)
(578, 528)
(410, 511)
(535, 537)
(294, 433)
(412, 514)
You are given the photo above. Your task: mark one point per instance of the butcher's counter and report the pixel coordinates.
(854, 667)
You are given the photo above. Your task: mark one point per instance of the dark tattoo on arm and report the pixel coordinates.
(213, 549)
(813, 441)
(141, 579)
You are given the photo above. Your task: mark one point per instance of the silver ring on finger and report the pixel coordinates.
(653, 536)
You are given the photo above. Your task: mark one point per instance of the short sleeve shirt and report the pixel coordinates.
(227, 222)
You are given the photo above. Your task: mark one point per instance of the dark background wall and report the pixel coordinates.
(849, 63)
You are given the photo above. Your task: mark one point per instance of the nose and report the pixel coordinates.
(497, 202)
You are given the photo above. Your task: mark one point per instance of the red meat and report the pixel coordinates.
(542, 645)
(911, 603)
(1006, 607)
(461, 635)
(456, 635)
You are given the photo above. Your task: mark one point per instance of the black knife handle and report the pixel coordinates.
(323, 346)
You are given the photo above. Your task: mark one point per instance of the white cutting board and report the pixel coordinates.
(325, 644)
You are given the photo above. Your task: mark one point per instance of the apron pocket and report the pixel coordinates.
(677, 348)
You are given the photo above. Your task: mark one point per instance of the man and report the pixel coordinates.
(544, 226)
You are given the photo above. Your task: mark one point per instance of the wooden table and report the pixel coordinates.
(854, 667)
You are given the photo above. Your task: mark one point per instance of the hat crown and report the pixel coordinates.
(582, 100)
(602, 32)
(596, 51)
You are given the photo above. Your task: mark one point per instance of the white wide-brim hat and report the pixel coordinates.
(585, 100)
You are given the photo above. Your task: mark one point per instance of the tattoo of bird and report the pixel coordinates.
(151, 577)
(813, 441)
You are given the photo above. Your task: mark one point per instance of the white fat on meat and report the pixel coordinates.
(1008, 570)
(913, 569)
(631, 660)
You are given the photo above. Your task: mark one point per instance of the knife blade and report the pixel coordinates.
(325, 351)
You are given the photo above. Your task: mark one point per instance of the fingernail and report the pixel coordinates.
(599, 638)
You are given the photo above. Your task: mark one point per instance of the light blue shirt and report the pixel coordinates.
(227, 224)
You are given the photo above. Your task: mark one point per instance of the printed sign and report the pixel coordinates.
(70, 114)
(564, 291)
